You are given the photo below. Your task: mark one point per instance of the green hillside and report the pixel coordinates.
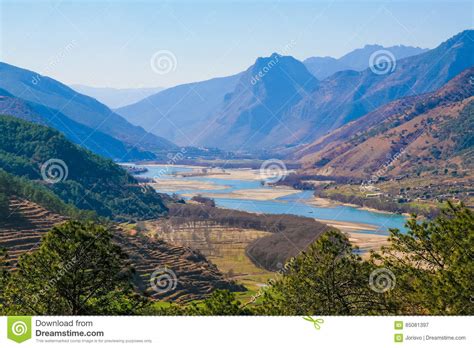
(11, 185)
(75, 175)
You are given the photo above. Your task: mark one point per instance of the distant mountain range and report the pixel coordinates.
(357, 60)
(265, 94)
(277, 102)
(427, 132)
(116, 97)
(177, 113)
(49, 98)
(96, 141)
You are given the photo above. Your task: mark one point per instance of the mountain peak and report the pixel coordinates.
(274, 72)
(371, 46)
(273, 57)
(463, 36)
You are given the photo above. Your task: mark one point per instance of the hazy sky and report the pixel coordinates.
(112, 43)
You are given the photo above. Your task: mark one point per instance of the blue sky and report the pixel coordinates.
(111, 43)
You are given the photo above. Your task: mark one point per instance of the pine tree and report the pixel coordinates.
(77, 270)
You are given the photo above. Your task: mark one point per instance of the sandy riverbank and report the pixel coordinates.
(322, 202)
(182, 185)
(347, 226)
(252, 194)
(365, 241)
(245, 174)
(235, 174)
(163, 165)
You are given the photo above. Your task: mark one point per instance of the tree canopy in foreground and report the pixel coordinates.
(77, 270)
(426, 271)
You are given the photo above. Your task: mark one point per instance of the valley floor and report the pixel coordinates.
(226, 246)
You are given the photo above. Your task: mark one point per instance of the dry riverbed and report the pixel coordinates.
(365, 241)
(253, 194)
(234, 174)
(180, 185)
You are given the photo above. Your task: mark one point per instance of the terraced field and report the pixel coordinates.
(223, 245)
(193, 276)
(23, 230)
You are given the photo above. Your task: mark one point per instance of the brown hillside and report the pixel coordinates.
(404, 136)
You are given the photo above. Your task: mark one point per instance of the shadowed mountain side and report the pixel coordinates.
(33, 87)
(94, 140)
(278, 103)
(348, 95)
(284, 106)
(178, 112)
(257, 111)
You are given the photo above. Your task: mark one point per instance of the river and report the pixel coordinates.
(295, 203)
